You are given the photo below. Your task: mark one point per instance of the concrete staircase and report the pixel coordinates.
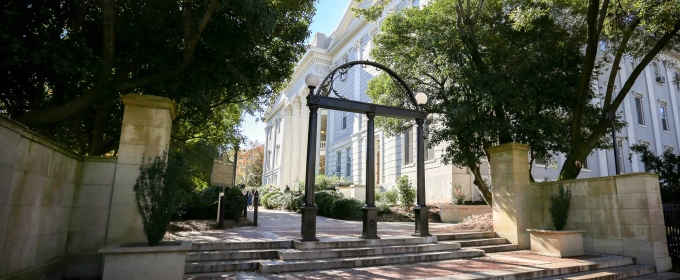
(486, 241)
(288, 256)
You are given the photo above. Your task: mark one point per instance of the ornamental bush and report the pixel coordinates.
(559, 207)
(457, 193)
(346, 208)
(156, 191)
(407, 194)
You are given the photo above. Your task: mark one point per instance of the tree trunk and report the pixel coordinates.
(481, 185)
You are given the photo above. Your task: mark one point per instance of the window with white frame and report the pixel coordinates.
(676, 79)
(638, 109)
(344, 121)
(620, 157)
(655, 67)
(670, 149)
(646, 144)
(338, 162)
(348, 163)
(408, 146)
(540, 160)
(664, 116)
(429, 151)
(585, 164)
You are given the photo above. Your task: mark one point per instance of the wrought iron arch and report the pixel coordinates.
(326, 86)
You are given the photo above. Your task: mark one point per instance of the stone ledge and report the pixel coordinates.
(550, 231)
(151, 102)
(142, 248)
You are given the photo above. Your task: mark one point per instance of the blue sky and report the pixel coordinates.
(327, 17)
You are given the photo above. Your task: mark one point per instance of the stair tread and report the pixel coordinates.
(276, 262)
(659, 276)
(194, 252)
(492, 246)
(610, 271)
(220, 262)
(360, 248)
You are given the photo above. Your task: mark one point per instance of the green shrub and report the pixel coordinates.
(383, 208)
(346, 208)
(324, 200)
(197, 204)
(390, 197)
(156, 191)
(407, 194)
(267, 200)
(457, 193)
(559, 207)
(323, 182)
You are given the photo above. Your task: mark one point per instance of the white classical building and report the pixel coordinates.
(651, 112)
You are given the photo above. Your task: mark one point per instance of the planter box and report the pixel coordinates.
(557, 243)
(457, 213)
(140, 261)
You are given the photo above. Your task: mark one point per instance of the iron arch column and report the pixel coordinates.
(421, 210)
(370, 212)
(309, 209)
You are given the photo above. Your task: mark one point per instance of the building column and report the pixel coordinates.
(629, 129)
(145, 134)
(294, 165)
(304, 130)
(265, 168)
(286, 147)
(512, 200)
(654, 109)
(674, 105)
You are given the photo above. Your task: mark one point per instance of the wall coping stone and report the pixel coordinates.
(100, 159)
(552, 231)
(150, 102)
(144, 248)
(26, 132)
(604, 178)
(508, 147)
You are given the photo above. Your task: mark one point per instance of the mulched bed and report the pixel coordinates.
(482, 222)
(205, 225)
(399, 215)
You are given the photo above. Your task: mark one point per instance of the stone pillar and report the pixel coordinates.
(286, 145)
(512, 205)
(294, 165)
(145, 134)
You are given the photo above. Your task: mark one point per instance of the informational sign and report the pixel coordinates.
(222, 171)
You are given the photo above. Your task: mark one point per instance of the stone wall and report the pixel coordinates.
(37, 184)
(57, 208)
(622, 215)
(457, 213)
(89, 217)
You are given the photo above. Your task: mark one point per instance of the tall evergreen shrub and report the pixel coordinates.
(155, 193)
(559, 207)
(407, 194)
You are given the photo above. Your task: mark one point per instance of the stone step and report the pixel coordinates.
(242, 245)
(289, 255)
(278, 266)
(611, 273)
(231, 255)
(495, 248)
(220, 266)
(558, 270)
(358, 243)
(465, 235)
(659, 276)
(226, 275)
(480, 241)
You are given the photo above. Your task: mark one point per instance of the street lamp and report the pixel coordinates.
(421, 98)
(421, 211)
(309, 209)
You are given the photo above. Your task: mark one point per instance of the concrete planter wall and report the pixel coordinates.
(136, 261)
(557, 243)
(457, 213)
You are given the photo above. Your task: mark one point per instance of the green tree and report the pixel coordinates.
(667, 166)
(65, 63)
(487, 82)
(249, 165)
(631, 31)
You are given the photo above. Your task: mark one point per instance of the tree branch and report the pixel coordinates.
(615, 65)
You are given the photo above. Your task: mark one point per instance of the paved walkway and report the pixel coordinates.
(277, 225)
